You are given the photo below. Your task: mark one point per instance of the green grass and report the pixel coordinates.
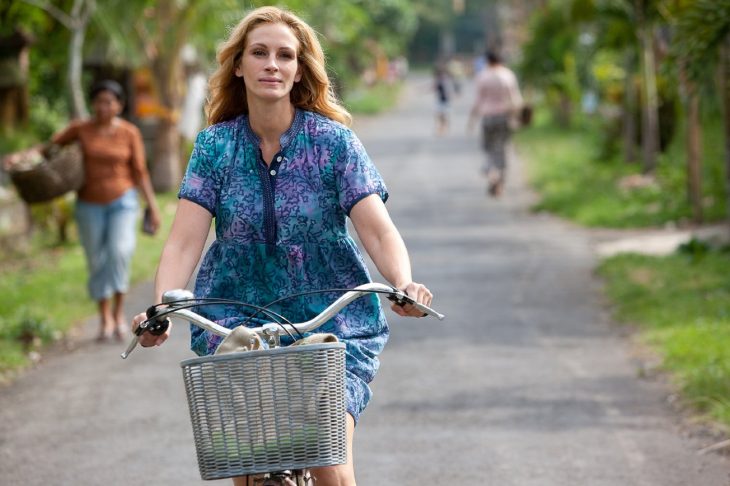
(372, 100)
(44, 289)
(681, 306)
(578, 183)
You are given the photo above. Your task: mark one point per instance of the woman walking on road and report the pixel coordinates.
(107, 204)
(497, 103)
(280, 173)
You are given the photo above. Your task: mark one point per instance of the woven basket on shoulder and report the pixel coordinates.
(60, 172)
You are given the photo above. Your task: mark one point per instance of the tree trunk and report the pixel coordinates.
(76, 21)
(14, 96)
(78, 103)
(694, 160)
(75, 66)
(166, 170)
(563, 109)
(693, 142)
(650, 107)
(725, 96)
(629, 111)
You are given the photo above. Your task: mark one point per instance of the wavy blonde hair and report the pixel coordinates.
(313, 92)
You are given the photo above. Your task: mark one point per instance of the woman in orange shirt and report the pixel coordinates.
(107, 204)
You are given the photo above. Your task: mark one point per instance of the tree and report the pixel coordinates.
(549, 60)
(629, 27)
(355, 35)
(693, 142)
(164, 31)
(703, 37)
(14, 99)
(725, 96)
(42, 89)
(153, 34)
(77, 22)
(650, 104)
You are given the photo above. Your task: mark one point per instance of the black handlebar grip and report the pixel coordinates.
(402, 298)
(153, 325)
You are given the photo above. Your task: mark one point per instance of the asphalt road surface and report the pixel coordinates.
(526, 383)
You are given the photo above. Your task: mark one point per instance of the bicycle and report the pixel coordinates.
(272, 411)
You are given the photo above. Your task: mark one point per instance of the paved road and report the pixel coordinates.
(526, 383)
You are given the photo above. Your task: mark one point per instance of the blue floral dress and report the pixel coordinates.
(281, 230)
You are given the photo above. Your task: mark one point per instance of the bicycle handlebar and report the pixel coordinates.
(395, 295)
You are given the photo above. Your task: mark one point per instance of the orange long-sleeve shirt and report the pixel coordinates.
(114, 161)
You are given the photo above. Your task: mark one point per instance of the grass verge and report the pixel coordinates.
(577, 182)
(45, 290)
(681, 304)
(372, 100)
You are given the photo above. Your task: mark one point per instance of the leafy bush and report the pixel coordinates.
(371, 101)
(577, 182)
(46, 118)
(29, 327)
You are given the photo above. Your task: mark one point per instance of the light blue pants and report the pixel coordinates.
(108, 233)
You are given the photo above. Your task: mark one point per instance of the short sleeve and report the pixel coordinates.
(356, 175)
(200, 184)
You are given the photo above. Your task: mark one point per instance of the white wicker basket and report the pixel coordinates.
(267, 410)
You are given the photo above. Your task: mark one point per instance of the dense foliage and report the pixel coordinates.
(649, 71)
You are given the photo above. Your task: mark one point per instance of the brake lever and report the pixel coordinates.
(400, 298)
(153, 325)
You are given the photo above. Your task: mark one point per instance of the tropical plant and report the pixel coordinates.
(702, 39)
(153, 34)
(549, 60)
(76, 21)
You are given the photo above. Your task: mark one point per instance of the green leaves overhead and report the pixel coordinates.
(554, 39)
(701, 27)
(348, 29)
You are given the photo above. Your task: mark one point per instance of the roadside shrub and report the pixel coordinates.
(28, 327)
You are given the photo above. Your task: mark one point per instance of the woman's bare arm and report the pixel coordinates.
(180, 256)
(386, 248)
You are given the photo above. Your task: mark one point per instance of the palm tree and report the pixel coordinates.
(153, 34)
(703, 36)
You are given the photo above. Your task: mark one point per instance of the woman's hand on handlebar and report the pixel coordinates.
(417, 292)
(147, 339)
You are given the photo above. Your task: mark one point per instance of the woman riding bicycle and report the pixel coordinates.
(280, 172)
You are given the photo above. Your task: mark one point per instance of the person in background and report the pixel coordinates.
(107, 206)
(456, 72)
(280, 172)
(441, 80)
(497, 104)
